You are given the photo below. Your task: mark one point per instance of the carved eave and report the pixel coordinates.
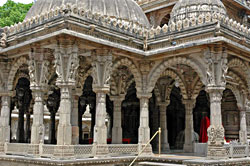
(241, 4)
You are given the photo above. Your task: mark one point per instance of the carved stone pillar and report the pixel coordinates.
(117, 119)
(144, 130)
(102, 63)
(64, 132)
(163, 125)
(4, 120)
(66, 63)
(37, 130)
(189, 129)
(243, 126)
(74, 119)
(216, 65)
(216, 131)
(38, 72)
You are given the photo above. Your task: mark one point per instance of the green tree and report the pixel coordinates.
(11, 13)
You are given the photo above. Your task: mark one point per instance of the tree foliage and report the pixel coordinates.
(11, 13)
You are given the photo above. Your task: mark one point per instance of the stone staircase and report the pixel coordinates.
(158, 164)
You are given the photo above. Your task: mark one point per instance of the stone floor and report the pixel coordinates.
(166, 159)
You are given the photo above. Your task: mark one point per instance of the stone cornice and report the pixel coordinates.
(175, 36)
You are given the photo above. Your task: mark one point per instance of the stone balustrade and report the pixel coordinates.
(237, 151)
(66, 151)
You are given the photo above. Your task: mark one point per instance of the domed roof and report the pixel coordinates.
(193, 8)
(124, 9)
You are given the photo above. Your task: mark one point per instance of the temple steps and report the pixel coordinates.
(158, 164)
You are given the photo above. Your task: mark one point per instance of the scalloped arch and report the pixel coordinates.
(132, 68)
(236, 62)
(155, 74)
(15, 66)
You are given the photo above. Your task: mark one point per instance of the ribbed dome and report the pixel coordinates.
(193, 8)
(124, 9)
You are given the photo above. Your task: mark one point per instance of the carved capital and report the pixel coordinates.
(38, 68)
(216, 65)
(215, 94)
(66, 63)
(102, 68)
(189, 105)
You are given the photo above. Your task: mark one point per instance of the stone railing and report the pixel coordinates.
(21, 149)
(202, 20)
(123, 149)
(66, 151)
(237, 151)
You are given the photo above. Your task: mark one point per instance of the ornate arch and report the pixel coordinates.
(238, 80)
(236, 93)
(133, 69)
(177, 78)
(197, 88)
(18, 76)
(82, 76)
(15, 66)
(236, 62)
(156, 72)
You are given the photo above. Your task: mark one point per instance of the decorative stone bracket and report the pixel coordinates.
(38, 69)
(66, 63)
(216, 61)
(102, 68)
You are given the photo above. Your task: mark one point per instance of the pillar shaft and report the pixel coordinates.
(52, 132)
(100, 129)
(163, 125)
(5, 120)
(243, 127)
(144, 130)
(37, 131)
(74, 120)
(64, 134)
(216, 130)
(189, 129)
(117, 120)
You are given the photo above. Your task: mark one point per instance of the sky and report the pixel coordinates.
(22, 1)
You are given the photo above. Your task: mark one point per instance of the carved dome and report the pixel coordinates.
(124, 9)
(193, 8)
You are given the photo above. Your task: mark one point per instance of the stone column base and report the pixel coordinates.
(2, 151)
(165, 147)
(216, 152)
(189, 148)
(147, 151)
(33, 149)
(75, 135)
(64, 152)
(100, 151)
(64, 135)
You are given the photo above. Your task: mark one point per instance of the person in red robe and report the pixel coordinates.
(205, 123)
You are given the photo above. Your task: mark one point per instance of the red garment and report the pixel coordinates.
(205, 123)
